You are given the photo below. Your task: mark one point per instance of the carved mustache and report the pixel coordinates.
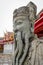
(22, 38)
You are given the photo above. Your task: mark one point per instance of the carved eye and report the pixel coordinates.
(18, 23)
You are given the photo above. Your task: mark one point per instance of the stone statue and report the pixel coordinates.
(23, 29)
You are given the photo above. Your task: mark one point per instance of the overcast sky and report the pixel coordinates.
(6, 12)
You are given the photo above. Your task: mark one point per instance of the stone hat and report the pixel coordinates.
(31, 4)
(22, 11)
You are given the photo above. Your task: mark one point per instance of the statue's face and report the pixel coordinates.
(21, 24)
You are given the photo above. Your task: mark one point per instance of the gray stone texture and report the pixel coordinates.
(26, 45)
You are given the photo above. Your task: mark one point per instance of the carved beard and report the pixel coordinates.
(24, 30)
(23, 40)
(22, 37)
(23, 33)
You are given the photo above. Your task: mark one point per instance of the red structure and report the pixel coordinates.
(8, 37)
(38, 26)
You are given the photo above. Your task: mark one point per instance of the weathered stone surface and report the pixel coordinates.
(38, 57)
(23, 21)
(32, 12)
(22, 11)
(22, 31)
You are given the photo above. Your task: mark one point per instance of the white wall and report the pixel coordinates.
(8, 48)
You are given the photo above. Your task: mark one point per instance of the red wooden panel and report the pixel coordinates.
(38, 26)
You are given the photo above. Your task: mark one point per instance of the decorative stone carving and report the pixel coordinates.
(22, 26)
(37, 52)
(22, 31)
(32, 13)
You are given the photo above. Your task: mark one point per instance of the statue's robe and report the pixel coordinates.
(35, 55)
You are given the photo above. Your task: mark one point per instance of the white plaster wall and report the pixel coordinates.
(8, 48)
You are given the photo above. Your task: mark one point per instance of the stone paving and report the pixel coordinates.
(5, 59)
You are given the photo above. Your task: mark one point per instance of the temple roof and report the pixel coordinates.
(38, 25)
(8, 37)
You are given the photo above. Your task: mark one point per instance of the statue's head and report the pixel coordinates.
(20, 19)
(32, 10)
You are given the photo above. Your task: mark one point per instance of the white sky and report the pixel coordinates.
(6, 12)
